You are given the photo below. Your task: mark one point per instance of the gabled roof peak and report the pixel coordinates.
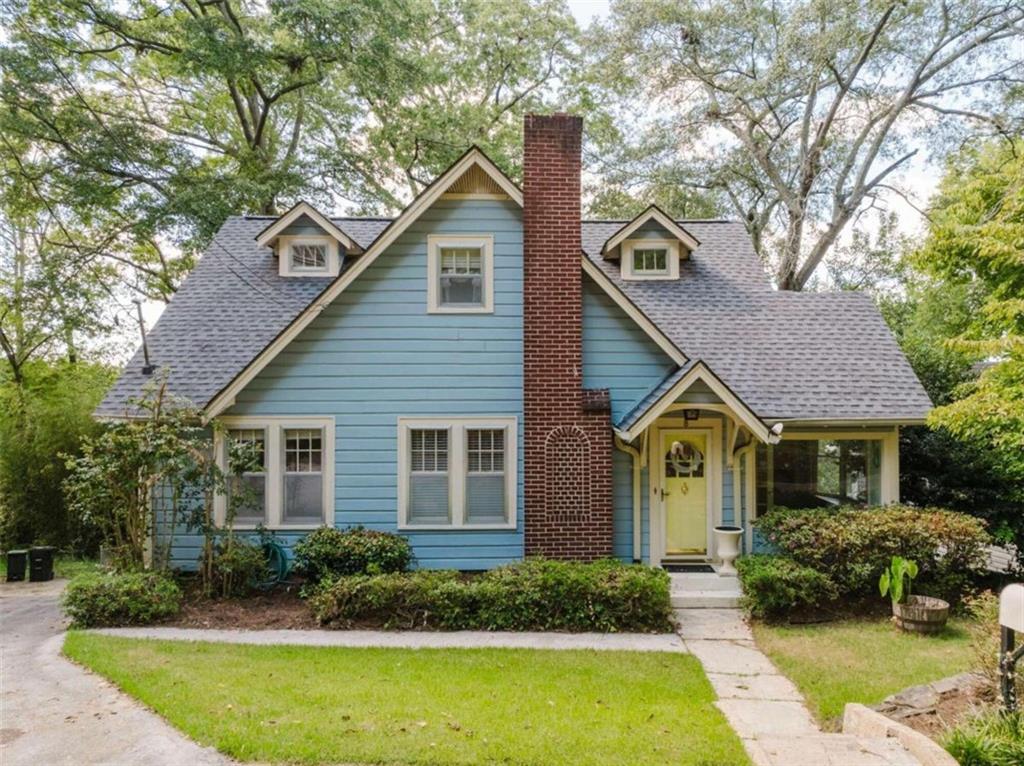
(300, 209)
(652, 213)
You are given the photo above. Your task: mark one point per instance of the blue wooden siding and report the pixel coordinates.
(617, 353)
(375, 355)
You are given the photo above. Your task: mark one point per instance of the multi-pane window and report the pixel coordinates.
(249, 445)
(457, 473)
(309, 256)
(485, 475)
(461, 275)
(428, 476)
(650, 260)
(303, 475)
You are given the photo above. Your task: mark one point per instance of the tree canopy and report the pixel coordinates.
(800, 115)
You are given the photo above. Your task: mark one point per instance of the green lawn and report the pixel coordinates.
(431, 706)
(63, 566)
(862, 660)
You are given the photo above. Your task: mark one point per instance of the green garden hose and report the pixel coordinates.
(278, 565)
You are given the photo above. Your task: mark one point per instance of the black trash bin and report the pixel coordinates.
(17, 563)
(40, 563)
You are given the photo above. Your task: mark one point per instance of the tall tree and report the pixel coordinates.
(802, 113)
(160, 119)
(976, 241)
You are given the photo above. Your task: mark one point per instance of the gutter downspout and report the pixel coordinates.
(637, 521)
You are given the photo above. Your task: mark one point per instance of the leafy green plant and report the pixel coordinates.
(328, 552)
(238, 567)
(896, 579)
(993, 738)
(774, 586)
(532, 595)
(854, 545)
(129, 598)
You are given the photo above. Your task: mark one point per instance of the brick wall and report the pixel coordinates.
(567, 431)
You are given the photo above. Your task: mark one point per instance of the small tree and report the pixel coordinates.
(113, 483)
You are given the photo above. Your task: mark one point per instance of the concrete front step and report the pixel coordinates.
(705, 599)
(827, 750)
(681, 583)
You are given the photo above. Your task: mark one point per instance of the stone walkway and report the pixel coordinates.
(764, 707)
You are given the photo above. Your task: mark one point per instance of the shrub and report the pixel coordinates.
(328, 552)
(993, 738)
(773, 586)
(238, 567)
(853, 546)
(535, 594)
(110, 600)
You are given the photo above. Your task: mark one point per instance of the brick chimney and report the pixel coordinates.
(567, 430)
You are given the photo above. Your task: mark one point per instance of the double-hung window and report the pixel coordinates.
(248, 445)
(294, 488)
(460, 274)
(457, 473)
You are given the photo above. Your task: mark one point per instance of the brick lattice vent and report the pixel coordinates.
(567, 430)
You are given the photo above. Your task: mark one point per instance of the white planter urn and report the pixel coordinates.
(727, 546)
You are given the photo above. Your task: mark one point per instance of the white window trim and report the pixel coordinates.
(434, 244)
(458, 467)
(274, 428)
(284, 255)
(672, 259)
(889, 481)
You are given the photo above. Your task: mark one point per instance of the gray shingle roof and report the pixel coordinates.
(827, 356)
(227, 310)
(787, 355)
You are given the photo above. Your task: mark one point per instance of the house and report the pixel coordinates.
(494, 377)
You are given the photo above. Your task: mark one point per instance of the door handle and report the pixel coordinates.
(664, 494)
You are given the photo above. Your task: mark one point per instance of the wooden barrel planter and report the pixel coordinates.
(921, 614)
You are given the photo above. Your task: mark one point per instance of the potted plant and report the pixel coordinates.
(915, 614)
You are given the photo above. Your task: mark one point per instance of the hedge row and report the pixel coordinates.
(536, 594)
(111, 600)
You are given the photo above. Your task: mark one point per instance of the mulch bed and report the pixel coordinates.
(277, 609)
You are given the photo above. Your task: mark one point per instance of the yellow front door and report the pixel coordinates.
(685, 492)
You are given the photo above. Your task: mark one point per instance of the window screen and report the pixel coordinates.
(303, 475)
(309, 256)
(250, 486)
(428, 476)
(461, 276)
(485, 475)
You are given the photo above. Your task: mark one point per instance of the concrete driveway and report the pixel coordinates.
(54, 712)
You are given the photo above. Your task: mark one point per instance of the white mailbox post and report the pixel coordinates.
(1011, 622)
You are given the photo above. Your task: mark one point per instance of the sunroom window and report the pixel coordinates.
(819, 473)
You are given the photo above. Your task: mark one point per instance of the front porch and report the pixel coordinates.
(696, 457)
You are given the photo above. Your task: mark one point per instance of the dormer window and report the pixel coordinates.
(650, 259)
(307, 243)
(308, 256)
(460, 274)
